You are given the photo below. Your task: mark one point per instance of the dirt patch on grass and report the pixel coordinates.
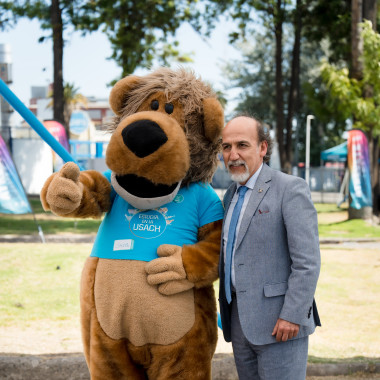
(64, 337)
(332, 217)
(42, 337)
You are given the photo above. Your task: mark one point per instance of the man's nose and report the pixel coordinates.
(234, 155)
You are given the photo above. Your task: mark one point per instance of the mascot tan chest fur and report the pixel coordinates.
(147, 302)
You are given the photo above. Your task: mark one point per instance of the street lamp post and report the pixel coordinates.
(307, 160)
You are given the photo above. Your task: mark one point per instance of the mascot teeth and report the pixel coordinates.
(153, 195)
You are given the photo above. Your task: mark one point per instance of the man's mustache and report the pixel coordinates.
(236, 163)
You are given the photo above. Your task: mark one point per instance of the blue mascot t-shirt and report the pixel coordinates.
(132, 234)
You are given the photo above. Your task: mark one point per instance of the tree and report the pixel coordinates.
(73, 98)
(354, 97)
(255, 75)
(55, 16)
(139, 31)
(330, 21)
(327, 26)
(7, 18)
(275, 15)
(58, 91)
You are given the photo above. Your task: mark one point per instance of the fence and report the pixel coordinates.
(322, 179)
(81, 151)
(324, 184)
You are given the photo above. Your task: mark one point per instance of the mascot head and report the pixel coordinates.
(166, 134)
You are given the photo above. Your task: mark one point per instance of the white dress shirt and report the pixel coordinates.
(250, 184)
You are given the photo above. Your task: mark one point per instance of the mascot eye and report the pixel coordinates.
(154, 105)
(169, 108)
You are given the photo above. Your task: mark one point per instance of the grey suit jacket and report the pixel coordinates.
(277, 258)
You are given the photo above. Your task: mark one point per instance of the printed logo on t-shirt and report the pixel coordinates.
(148, 224)
(179, 198)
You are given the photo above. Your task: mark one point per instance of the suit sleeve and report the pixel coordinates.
(301, 223)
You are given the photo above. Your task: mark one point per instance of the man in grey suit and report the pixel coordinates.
(270, 259)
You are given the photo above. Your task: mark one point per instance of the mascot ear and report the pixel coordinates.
(119, 93)
(213, 118)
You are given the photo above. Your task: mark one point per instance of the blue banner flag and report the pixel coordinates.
(359, 167)
(13, 199)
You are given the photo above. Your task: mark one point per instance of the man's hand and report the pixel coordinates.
(285, 330)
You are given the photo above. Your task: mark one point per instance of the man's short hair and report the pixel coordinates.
(263, 133)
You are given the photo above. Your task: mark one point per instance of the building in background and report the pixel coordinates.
(98, 110)
(6, 110)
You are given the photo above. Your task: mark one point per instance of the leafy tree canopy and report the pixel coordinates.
(360, 98)
(330, 20)
(7, 17)
(255, 75)
(41, 10)
(139, 31)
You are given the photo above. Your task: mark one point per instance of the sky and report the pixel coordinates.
(86, 64)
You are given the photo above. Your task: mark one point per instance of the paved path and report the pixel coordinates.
(73, 367)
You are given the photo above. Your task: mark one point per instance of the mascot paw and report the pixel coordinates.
(174, 287)
(64, 193)
(168, 271)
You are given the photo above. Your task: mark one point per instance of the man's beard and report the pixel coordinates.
(241, 177)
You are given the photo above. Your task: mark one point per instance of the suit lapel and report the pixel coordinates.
(258, 192)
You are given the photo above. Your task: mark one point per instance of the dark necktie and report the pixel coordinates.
(231, 241)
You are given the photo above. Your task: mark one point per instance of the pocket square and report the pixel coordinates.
(263, 211)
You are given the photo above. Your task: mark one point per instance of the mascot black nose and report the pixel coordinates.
(143, 137)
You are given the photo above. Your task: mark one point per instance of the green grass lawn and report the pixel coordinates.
(36, 205)
(330, 207)
(33, 290)
(40, 281)
(50, 224)
(333, 222)
(25, 225)
(355, 228)
(348, 299)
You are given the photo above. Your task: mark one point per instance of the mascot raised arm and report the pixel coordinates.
(148, 308)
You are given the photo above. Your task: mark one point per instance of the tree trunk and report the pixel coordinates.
(278, 21)
(357, 73)
(370, 11)
(294, 82)
(58, 94)
(356, 41)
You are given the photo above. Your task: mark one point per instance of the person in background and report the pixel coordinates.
(270, 259)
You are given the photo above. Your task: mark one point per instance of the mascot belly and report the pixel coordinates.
(136, 311)
(147, 302)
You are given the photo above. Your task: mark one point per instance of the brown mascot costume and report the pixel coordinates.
(148, 308)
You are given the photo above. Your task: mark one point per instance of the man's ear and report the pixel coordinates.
(213, 115)
(119, 93)
(263, 148)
